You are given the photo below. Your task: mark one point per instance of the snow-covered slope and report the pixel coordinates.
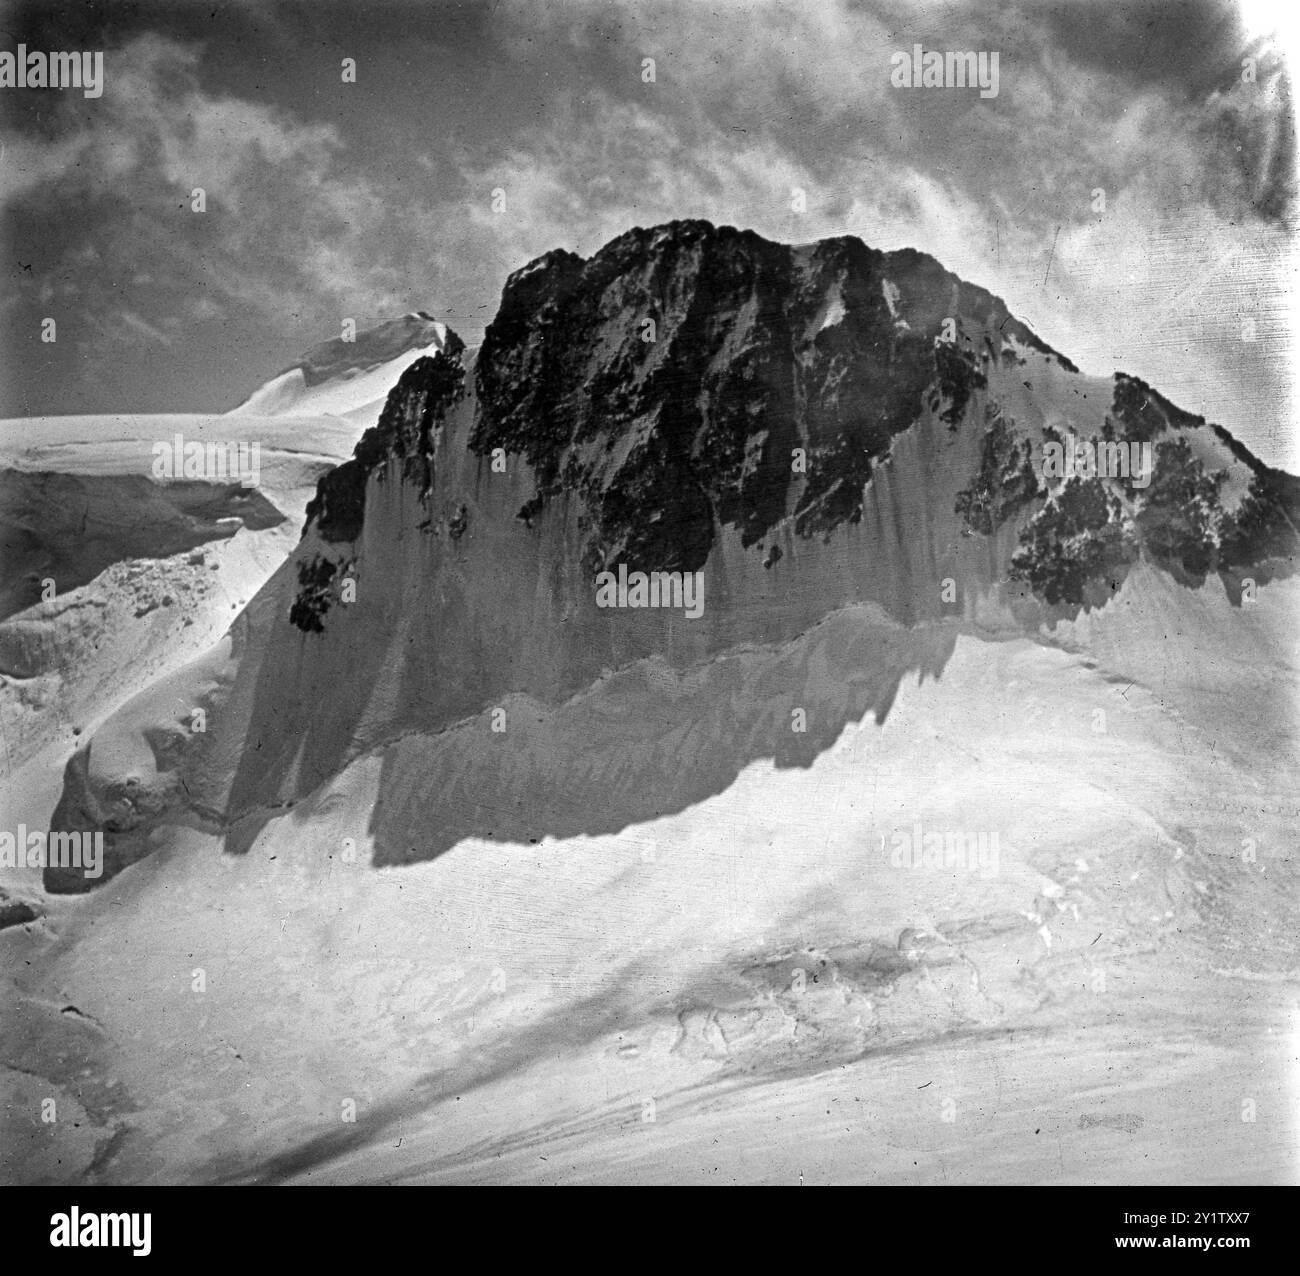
(539, 890)
(799, 468)
(349, 378)
(111, 579)
(628, 1005)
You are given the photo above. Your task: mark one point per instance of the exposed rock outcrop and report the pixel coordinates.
(817, 430)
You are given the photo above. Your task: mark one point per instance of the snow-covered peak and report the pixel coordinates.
(348, 375)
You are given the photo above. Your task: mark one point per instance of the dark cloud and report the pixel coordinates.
(1186, 47)
(330, 200)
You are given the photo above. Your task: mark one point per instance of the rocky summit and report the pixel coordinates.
(795, 430)
(688, 378)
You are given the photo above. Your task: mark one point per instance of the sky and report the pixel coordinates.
(328, 200)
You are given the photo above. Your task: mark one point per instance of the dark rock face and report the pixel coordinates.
(689, 399)
(1143, 413)
(15, 912)
(958, 375)
(459, 522)
(1089, 531)
(1176, 521)
(1076, 540)
(416, 406)
(1006, 481)
(689, 377)
(1264, 526)
(315, 594)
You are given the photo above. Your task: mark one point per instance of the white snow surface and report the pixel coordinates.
(630, 1007)
(749, 989)
(356, 396)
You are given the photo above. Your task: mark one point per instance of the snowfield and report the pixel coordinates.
(634, 946)
(629, 1007)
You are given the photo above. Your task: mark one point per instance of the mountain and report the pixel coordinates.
(112, 579)
(348, 375)
(511, 870)
(797, 429)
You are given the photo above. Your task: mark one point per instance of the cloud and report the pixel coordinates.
(288, 229)
(1192, 161)
(582, 183)
(317, 217)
